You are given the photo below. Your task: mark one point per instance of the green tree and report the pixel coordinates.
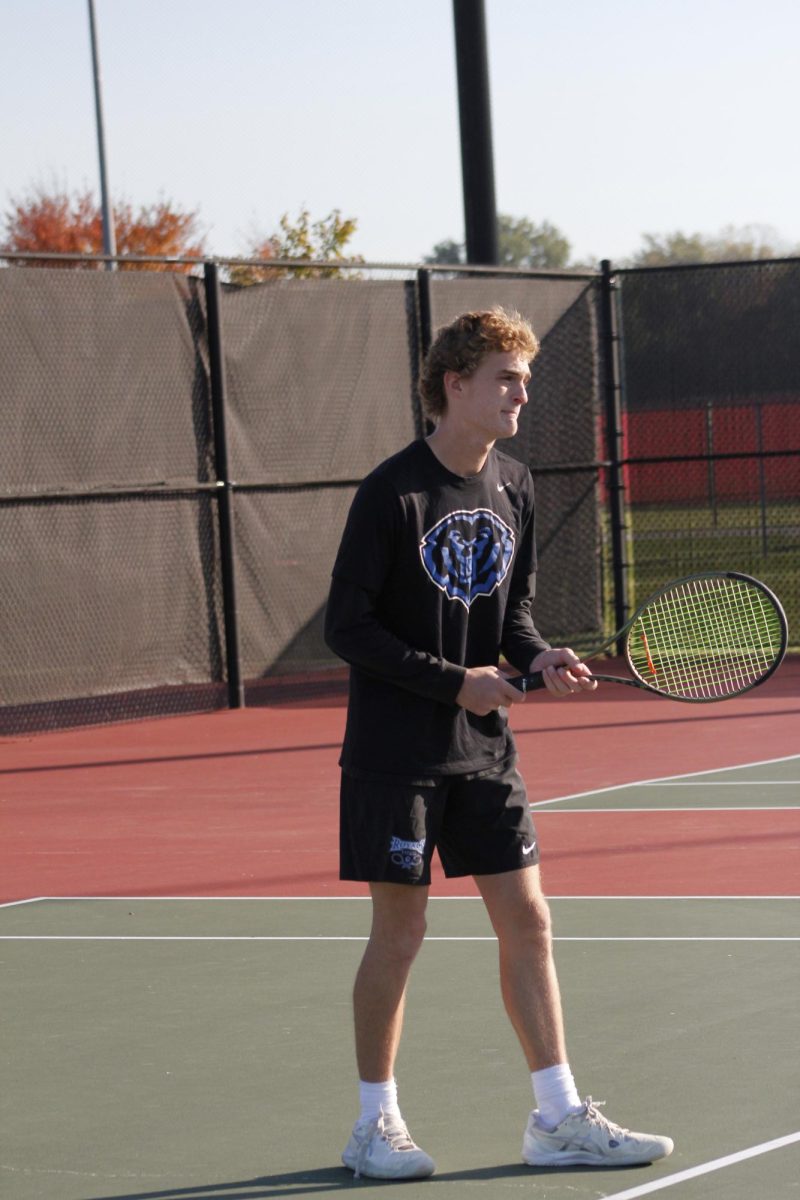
(447, 253)
(521, 243)
(731, 244)
(533, 247)
(302, 241)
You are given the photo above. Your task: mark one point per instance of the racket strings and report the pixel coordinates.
(720, 647)
(706, 639)
(707, 648)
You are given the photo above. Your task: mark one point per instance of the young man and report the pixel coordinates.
(433, 581)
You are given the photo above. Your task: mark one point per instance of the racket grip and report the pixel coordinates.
(528, 683)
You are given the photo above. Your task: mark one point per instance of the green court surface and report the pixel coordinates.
(201, 1049)
(773, 784)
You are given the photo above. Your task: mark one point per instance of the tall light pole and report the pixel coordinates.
(109, 236)
(474, 108)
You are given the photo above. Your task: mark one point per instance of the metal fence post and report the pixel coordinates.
(226, 523)
(425, 318)
(762, 477)
(614, 442)
(712, 470)
(425, 328)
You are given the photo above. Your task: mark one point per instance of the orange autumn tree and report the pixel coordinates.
(54, 221)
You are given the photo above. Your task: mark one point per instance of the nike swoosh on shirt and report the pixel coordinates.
(501, 487)
(526, 850)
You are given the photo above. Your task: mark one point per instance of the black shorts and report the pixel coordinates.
(480, 825)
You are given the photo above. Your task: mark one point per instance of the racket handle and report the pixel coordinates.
(528, 683)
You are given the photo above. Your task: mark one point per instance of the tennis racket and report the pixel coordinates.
(701, 638)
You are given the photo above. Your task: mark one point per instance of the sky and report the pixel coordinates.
(611, 118)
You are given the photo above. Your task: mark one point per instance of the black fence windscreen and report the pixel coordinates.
(114, 590)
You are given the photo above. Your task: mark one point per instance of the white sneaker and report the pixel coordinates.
(384, 1149)
(587, 1138)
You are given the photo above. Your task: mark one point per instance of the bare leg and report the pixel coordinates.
(398, 929)
(521, 918)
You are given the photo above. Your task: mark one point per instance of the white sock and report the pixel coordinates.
(555, 1093)
(377, 1098)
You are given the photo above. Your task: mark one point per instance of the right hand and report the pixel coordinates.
(563, 673)
(485, 689)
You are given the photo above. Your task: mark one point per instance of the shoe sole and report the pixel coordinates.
(422, 1172)
(591, 1160)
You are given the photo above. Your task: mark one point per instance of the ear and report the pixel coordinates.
(452, 382)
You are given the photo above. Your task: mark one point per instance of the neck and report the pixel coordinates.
(457, 453)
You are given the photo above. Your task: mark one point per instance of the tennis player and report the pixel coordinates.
(433, 582)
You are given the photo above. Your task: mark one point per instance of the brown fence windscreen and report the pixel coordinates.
(320, 388)
(111, 592)
(557, 439)
(104, 382)
(109, 587)
(321, 383)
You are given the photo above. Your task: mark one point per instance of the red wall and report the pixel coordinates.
(735, 429)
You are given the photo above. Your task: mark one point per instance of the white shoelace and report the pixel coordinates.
(391, 1129)
(598, 1118)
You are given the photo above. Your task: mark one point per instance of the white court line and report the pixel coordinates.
(362, 899)
(619, 787)
(731, 783)
(16, 903)
(646, 1189)
(692, 808)
(320, 937)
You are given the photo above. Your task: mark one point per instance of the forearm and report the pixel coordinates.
(355, 634)
(522, 641)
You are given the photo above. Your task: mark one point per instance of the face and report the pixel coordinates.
(489, 401)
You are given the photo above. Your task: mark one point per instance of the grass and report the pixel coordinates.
(668, 541)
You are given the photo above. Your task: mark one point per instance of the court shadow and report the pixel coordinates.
(332, 1179)
(290, 1183)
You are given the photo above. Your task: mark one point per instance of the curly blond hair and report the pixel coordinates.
(463, 344)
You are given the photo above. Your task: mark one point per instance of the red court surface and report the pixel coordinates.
(245, 803)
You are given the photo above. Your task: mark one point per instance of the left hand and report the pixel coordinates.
(563, 672)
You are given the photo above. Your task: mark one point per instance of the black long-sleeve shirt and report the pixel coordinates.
(435, 573)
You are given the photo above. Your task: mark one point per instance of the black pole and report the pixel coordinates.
(711, 469)
(109, 233)
(762, 478)
(425, 317)
(425, 334)
(474, 108)
(614, 442)
(226, 523)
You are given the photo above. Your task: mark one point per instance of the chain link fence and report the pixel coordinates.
(710, 377)
(182, 449)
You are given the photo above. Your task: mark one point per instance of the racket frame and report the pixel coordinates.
(534, 681)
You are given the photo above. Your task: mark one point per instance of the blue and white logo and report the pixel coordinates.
(467, 554)
(407, 855)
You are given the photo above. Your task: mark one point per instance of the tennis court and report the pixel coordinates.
(178, 957)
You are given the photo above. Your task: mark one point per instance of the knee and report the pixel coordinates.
(530, 929)
(408, 938)
(413, 944)
(400, 939)
(542, 924)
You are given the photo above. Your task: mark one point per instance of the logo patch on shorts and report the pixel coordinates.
(407, 855)
(467, 554)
